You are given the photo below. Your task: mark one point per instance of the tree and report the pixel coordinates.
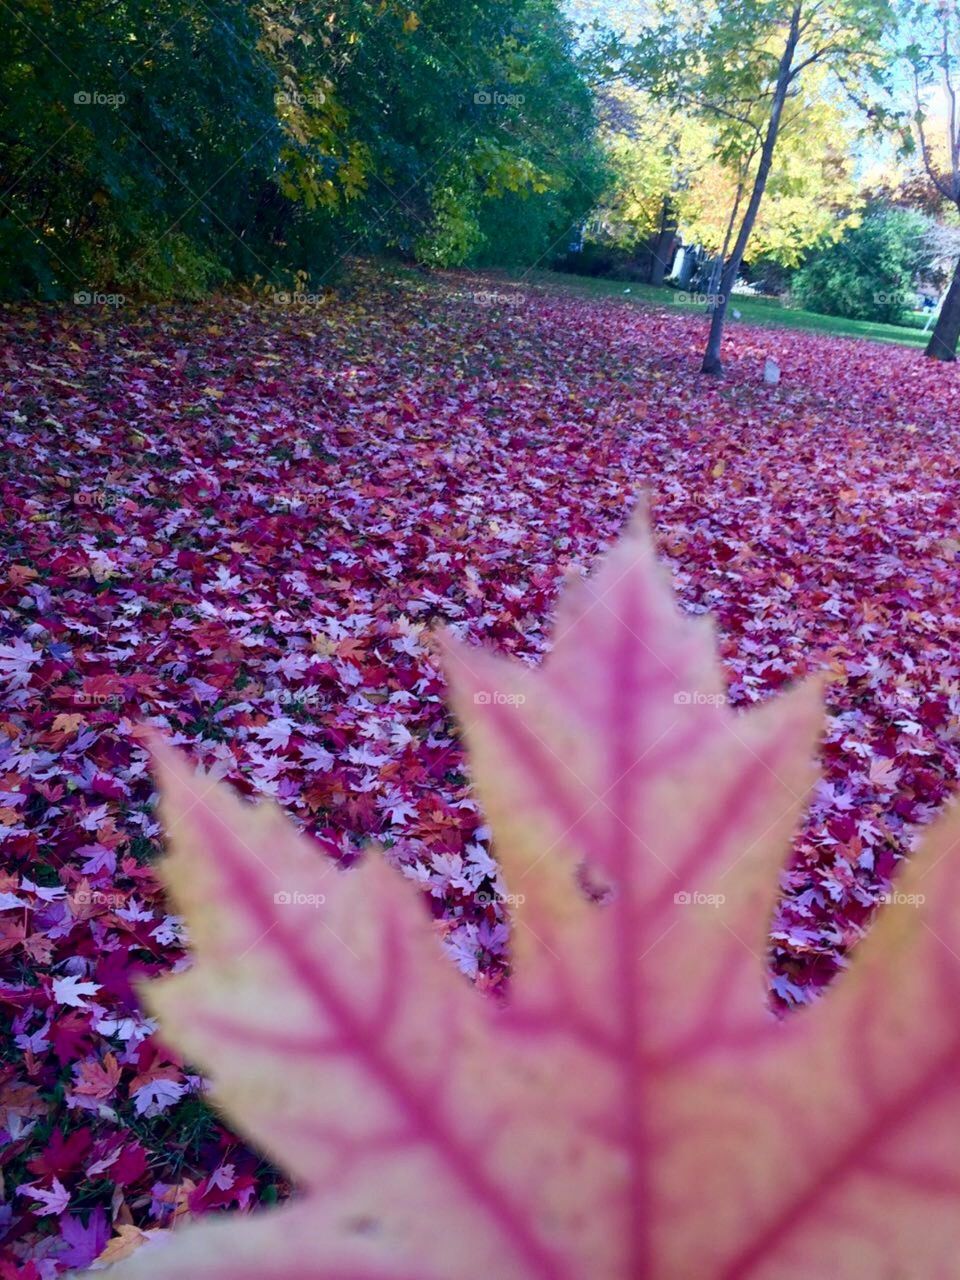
(740, 63)
(869, 273)
(664, 159)
(161, 146)
(657, 159)
(934, 60)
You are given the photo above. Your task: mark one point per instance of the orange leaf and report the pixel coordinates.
(67, 722)
(98, 1080)
(127, 1240)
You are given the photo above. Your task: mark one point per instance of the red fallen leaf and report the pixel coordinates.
(224, 1187)
(350, 650)
(842, 828)
(101, 686)
(130, 1166)
(934, 712)
(70, 1035)
(40, 947)
(17, 1271)
(121, 1162)
(62, 1154)
(101, 784)
(633, 1110)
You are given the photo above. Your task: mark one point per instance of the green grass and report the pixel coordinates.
(761, 311)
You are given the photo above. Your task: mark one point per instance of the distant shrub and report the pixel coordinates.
(868, 274)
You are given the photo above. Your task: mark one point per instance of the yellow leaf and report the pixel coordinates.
(67, 722)
(127, 1240)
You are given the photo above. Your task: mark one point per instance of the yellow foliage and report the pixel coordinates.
(658, 153)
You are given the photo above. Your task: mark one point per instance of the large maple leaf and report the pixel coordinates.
(633, 1110)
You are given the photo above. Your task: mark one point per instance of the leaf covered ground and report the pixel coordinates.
(240, 522)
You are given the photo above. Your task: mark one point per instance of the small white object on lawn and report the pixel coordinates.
(771, 372)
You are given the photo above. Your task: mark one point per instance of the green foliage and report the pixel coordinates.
(869, 273)
(722, 59)
(141, 145)
(453, 232)
(163, 147)
(482, 131)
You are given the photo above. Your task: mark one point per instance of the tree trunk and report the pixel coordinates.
(728, 234)
(661, 247)
(943, 340)
(711, 357)
(714, 293)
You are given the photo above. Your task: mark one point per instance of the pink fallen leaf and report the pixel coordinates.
(157, 1096)
(54, 1199)
(883, 773)
(634, 1110)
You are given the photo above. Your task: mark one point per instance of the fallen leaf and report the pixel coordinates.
(67, 722)
(127, 1240)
